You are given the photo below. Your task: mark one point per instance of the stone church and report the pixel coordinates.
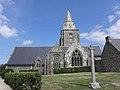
(68, 53)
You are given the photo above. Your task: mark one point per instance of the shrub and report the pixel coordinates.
(28, 70)
(0, 73)
(24, 80)
(72, 70)
(6, 71)
(2, 67)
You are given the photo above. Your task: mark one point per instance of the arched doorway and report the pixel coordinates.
(76, 58)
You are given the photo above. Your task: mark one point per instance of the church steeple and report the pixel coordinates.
(68, 23)
(69, 33)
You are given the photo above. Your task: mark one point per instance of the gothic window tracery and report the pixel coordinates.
(76, 58)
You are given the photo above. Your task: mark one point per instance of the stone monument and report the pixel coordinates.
(93, 83)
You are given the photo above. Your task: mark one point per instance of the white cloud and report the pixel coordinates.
(114, 30)
(0, 22)
(5, 29)
(116, 13)
(10, 2)
(1, 8)
(111, 18)
(7, 32)
(83, 35)
(116, 7)
(117, 10)
(27, 42)
(2, 16)
(7, 1)
(96, 35)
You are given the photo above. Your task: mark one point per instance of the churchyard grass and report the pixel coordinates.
(79, 81)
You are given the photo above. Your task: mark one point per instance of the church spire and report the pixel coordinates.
(68, 23)
(68, 17)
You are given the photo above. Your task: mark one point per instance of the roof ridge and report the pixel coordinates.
(115, 39)
(93, 46)
(116, 43)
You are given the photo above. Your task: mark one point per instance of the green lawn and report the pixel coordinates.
(79, 81)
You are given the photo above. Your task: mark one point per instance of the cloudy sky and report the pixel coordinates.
(38, 22)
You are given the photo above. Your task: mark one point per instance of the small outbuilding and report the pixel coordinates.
(111, 55)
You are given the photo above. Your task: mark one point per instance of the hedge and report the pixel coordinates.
(6, 71)
(2, 67)
(28, 70)
(23, 80)
(0, 73)
(72, 70)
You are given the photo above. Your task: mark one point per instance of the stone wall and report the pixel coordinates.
(110, 58)
(51, 60)
(66, 39)
(68, 54)
(98, 65)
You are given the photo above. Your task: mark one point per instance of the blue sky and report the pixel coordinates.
(38, 22)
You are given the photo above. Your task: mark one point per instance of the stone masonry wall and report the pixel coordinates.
(110, 58)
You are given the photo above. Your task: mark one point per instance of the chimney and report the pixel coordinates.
(107, 38)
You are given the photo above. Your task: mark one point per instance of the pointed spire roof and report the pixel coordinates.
(68, 17)
(69, 23)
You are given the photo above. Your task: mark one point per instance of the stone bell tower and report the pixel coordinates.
(69, 33)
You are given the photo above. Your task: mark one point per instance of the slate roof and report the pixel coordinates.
(28, 55)
(115, 43)
(97, 51)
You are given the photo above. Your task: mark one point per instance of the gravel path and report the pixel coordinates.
(3, 85)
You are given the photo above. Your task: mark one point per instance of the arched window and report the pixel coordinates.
(56, 62)
(76, 58)
(38, 63)
(71, 37)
